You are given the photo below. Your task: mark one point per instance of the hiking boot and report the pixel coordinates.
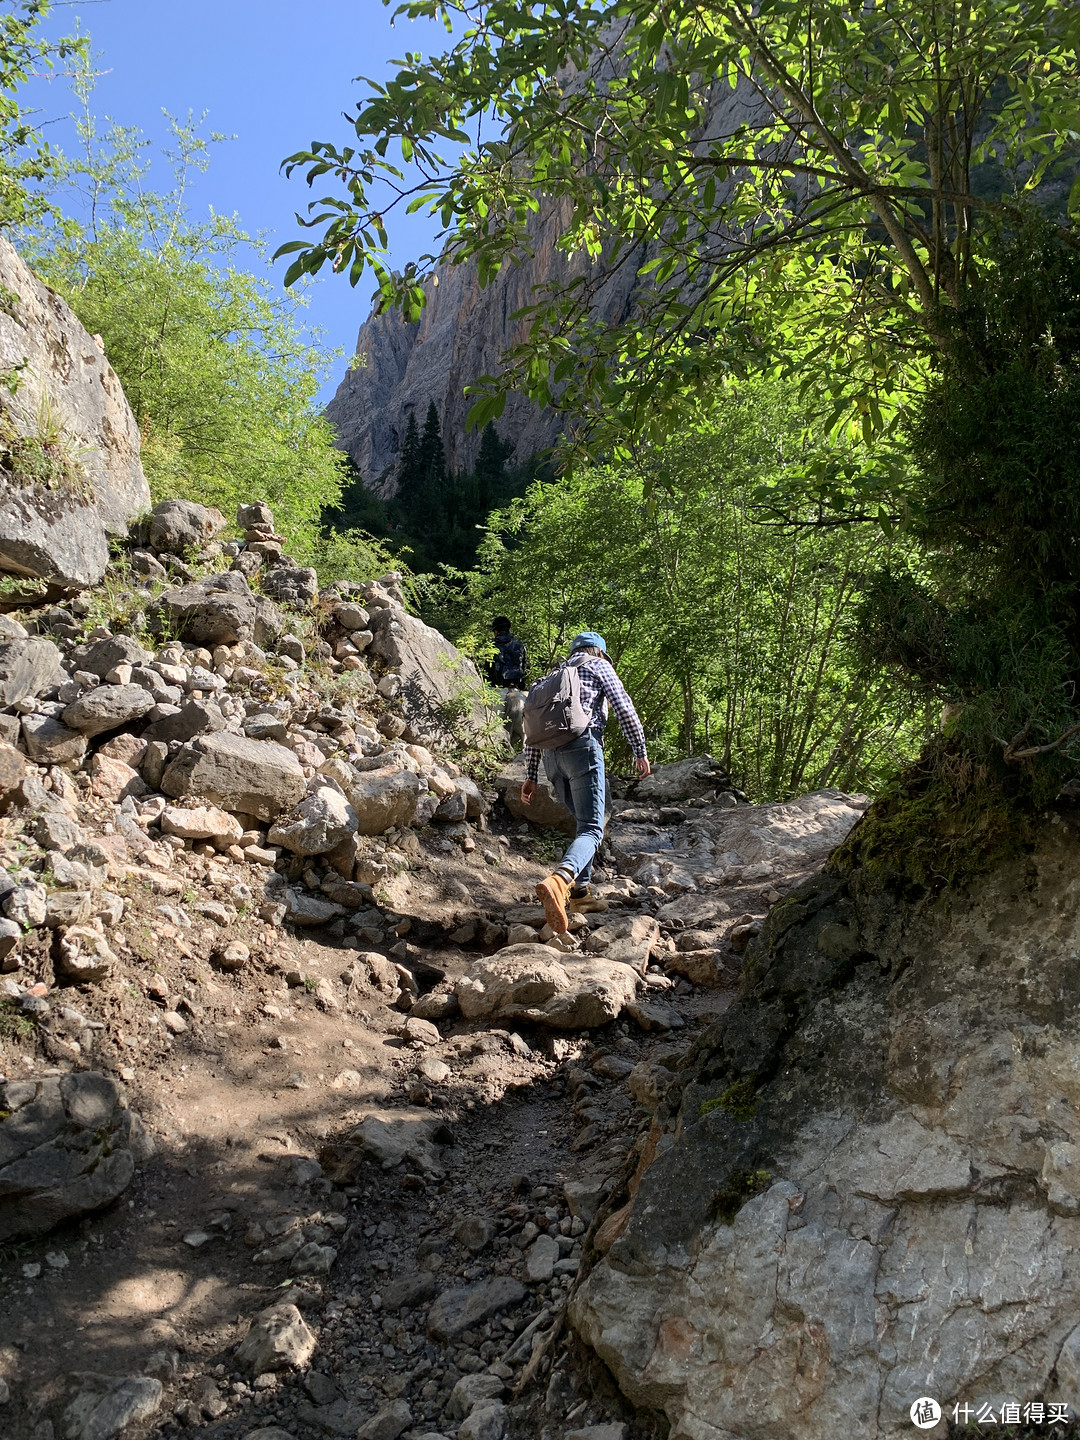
(584, 902)
(553, 893)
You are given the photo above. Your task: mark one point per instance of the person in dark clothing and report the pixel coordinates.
(507, 670)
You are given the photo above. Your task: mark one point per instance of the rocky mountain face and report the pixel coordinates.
(862, 1186)
(461, 335)
(70, 475)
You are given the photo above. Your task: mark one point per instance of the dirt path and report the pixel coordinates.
(274, 1070)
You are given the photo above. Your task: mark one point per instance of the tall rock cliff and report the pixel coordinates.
(461, 335)
(863, 1185)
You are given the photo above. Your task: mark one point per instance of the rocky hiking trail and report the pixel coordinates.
(308, 1122)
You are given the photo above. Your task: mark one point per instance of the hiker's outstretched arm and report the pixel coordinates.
(620, 702)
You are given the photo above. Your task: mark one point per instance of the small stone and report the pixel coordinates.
(26, 905)
(654, 1015)
(322, 1389)
(388, 1424)
(416, 1288)
(278, 1338)
(231, 958)
(540, 1259)
(614, 1431)
(84, 955)
(423, 1031)
(467, 1306)
(313, 1259)
(174, 1022)
(474, 1232)
(472, 1392)
(486, 1422)
(612, 1067)
(197, 1238)
(434, 1070)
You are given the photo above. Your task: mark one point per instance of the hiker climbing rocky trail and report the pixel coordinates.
(309, 1120)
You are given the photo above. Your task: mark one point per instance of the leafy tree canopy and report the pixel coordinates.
(27, 163)
(796, 185)
(221, 374)
(732, 635)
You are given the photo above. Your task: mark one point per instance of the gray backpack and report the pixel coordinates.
(554, 714)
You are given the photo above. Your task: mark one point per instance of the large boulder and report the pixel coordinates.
(440, 687)
(543, 810)
(98, 657)
(382, 798)
(68, 1146)
(107, 707)
(680, 780)
(254, 777)
(180, 526)
(863, 1184)
(295, 585)
(743, 842)
(58, 526)
(219, 610)
(629, 939)
(30, 667)
(535, 982)
(319, 823)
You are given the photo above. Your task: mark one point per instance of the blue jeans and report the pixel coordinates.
(577, 775)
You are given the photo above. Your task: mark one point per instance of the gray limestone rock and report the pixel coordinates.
(31, 667)
(99, 1407)
(194, 717)
(433, 672)
(254, 777)
(533, 982)
(178, 527)
(62, 533)
(543, 810)
(871, 1158)
(407, 1291)
(382, 798)
(107, 707)
(614, 1431)
(278, 1339)
(466, 1306)
(486, 1422)
(627, 938)
(220, 610)
(396, 1137)
(320, 822)
(49, 742)
(471, 1392)
(257, 513)
(68, 1146)
(25, 904)
(84, 956)
(388, 1424)
(296, 586)
(100, 656)
(265, 726)
(304, 909)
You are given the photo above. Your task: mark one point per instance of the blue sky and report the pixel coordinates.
(276, 75)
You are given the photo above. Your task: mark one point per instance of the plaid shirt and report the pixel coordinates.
(599, 686)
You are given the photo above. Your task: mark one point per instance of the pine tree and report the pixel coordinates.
(491, 467)
(432, 456)
(410, 471)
